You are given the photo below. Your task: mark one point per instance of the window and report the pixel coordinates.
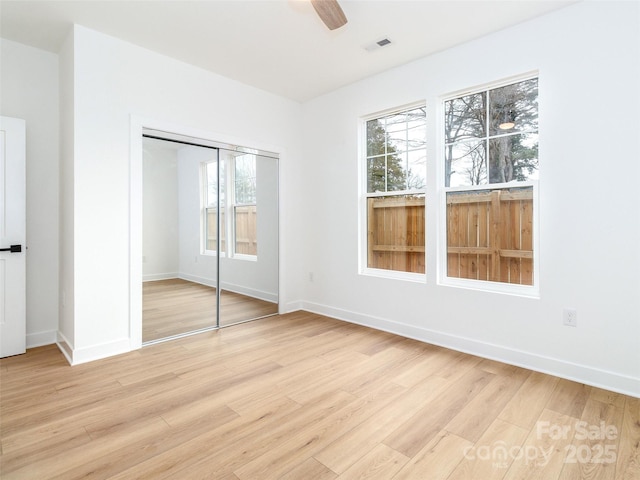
(240, 173)
(395, 173)
(490, 183)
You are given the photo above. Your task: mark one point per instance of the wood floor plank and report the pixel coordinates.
(306, 441)
(18, 452)
(569, 398)
(354, 444)
(594, 457)
(628, 454)
(297, 396)
(242, 450)
(437, 460)
(431, 361)
(216, 451)
(605, 396)
(60, 466)
(545, 449)
(381, 463)
(492, 454)
(481, 411)
(529, 401)
(311, 469)
(410, 437)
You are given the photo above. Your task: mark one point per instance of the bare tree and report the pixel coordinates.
(500, 124)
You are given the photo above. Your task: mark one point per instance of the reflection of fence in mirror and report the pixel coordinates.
(246, 228)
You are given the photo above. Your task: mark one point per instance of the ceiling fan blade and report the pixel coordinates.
(330, 13)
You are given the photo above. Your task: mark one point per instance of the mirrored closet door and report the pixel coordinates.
(210, 235)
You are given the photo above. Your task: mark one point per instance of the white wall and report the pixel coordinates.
(29, 79)
(588, 61)
(66, 327)
(112, 81)
(160, 235)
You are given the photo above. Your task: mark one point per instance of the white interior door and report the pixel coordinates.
(12, 237)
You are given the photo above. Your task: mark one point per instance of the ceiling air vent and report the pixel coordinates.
(377, 45)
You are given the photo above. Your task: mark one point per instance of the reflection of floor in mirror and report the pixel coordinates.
(175, 306)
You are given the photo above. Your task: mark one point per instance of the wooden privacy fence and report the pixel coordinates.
(246, 230)
(396, 233)
(489, 234)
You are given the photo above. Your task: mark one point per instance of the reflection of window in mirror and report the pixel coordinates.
(245, 230)
(238, 197)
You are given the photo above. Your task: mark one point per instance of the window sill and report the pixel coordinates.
(394, 275)
(527, 291)
(247, 258)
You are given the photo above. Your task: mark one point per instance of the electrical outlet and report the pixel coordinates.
(570, 317)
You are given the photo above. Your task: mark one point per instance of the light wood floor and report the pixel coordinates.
(175, 306)
(304, 397)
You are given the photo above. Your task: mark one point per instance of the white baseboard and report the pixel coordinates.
(76, 356)
(553, 366)
(153, 277)
(241, 289)
(65, 347)
(209, 282)
(292, 306)
(39, 339)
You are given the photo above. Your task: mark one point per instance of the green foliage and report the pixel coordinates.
(385, 172)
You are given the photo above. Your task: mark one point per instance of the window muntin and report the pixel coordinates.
(490, 174)
(395, 173)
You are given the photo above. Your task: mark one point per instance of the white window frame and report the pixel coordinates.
(532, 291)
(363, 195)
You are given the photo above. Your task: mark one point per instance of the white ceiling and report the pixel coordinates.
(276, 45)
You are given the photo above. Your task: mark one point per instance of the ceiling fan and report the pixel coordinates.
(330, 13)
